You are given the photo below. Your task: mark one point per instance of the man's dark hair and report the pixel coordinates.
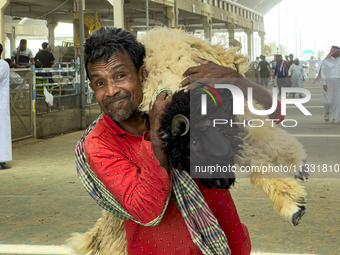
(38, 64)
(1, 48)
(291, 55)
(108, 40)
(44, 45)
(9, 61)
(23, 41)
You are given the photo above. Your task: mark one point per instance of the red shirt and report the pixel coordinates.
(126, 164)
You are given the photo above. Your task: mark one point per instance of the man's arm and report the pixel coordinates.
(30, 63)
(30, 55)
(14, 60)
(141, 186)
(156, 111)
(323, 76)
(208, 69)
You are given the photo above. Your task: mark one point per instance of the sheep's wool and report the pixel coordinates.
(169, 53)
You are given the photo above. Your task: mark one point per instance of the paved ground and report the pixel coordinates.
(42, 201)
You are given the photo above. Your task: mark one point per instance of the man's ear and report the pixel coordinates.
(143, 73)
(91, 85)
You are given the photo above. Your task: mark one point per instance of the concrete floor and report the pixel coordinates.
(42, 201)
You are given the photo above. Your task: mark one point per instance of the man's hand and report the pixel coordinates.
(325, 88)
(155, 112)
(207, 69)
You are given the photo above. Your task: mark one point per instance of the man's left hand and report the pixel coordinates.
(207, 69)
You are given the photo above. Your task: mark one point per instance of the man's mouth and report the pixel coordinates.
(115, 103)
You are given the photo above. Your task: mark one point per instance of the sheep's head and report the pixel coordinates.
(192, 142)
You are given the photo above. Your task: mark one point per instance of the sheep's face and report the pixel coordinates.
(193, 145)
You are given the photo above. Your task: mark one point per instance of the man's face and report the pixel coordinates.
(336, 54)
(291, 57)
(23, 47)
(117, 86)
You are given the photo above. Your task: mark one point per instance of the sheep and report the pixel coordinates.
(168, 55)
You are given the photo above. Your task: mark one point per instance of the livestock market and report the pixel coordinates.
(170, 127)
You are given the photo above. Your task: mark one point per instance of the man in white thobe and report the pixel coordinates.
(312, 69)
(330, 75)
(5, 121)
(296, 74)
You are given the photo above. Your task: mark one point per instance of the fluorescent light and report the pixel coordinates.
(23, 21)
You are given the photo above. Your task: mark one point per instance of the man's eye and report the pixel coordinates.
(100, 83)
(120, 76)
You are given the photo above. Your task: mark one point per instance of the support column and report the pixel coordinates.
(261, 35)
(207, 24)
(11, 38)
(230, 27)
(118, 12)
(51, 25)
(249, 43)
(128, 24)
(3, 5)
(170, 13)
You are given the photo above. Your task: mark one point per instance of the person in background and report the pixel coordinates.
(312, 69)
(319, 65)
(264, 70)
(330, 73)
(45, 56)
(288, 65)
(297, 75)
(5, 123)
(257, 74)
(280, 72)
(22, 57)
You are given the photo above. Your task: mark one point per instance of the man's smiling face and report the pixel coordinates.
(117, 85)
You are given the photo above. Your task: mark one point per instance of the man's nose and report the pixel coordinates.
(112, 89)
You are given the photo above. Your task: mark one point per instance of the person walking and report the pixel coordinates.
(297, 75)
(330, 76)
(5, 123)
(280, 72)
(264, 71)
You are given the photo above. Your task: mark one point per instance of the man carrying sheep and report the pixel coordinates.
(126, 154)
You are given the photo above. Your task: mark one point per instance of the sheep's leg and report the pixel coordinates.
(108, 237)
(286, 194)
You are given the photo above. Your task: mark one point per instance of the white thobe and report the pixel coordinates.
(5, 120)
(330, 75)
(312, 69)
(296, 72)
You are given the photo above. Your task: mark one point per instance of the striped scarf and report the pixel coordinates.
(202, 225)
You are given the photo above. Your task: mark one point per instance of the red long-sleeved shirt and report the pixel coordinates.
(126, 164)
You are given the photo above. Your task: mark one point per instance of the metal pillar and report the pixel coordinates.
(3, 5)
(147, 15)
(82, 64)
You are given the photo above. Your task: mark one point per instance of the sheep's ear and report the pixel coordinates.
(177, 124)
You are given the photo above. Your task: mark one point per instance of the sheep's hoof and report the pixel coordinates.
(298, 215)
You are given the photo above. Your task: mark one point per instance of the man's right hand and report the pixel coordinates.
(325, 88)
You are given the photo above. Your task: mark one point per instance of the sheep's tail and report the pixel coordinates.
(107, 237)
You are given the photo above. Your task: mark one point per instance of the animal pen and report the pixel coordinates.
(31, 88)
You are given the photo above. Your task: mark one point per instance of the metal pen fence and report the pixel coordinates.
(31, 91)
